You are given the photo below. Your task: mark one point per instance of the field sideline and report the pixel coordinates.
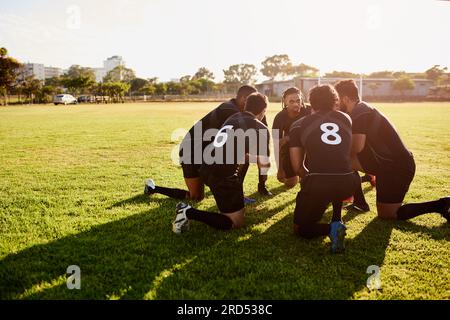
(71, 193)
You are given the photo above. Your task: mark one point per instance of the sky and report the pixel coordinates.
(171, 38)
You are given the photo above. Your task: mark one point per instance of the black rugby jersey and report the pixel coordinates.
(326, 137)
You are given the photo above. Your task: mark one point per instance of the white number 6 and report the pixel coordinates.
(222, 135)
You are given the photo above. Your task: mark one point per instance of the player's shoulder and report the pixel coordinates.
(360, 109)
(342, 116)
(228, 105)
(302, 122)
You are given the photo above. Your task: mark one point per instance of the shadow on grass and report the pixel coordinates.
(127, 258)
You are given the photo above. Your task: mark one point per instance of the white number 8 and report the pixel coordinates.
(223, 137)
(330, 133)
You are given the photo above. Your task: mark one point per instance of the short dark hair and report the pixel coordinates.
(245, 91)
(289, 91)
(256, 103)
(323, 97)
(347, 88)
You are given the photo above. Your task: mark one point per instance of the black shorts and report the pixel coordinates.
(191, 170)
(318, 191)
(285, 162)
(227, 191)
(393, 182)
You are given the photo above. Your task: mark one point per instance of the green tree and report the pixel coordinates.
(31, 87)
(120, 73)
(76, 71)
(9, 69)
(436, 73)
(302, 70)
(402, 84)
(381, 74)
(203, 73)
(240, 74)
(341, 74)
(276, 65)
(137, 84)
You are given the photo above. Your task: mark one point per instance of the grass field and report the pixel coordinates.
(71, 183)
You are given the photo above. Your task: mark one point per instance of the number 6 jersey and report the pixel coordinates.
(326, 137)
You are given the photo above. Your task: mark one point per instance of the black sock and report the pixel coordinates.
(171, 192)
(411, 210)
(366, 178)
(212, 219)
(262, 179)
(337, 209)
(358, 197)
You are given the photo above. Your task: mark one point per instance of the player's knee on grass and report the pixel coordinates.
(237, 218)
(281, 176)
(196, 195)
(303, 231)
(388, 211)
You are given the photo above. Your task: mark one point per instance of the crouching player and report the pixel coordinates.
(325, 139)
(241, 137)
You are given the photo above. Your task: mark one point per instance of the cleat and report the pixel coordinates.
(348, 200)
(149, 186)
(262, 190)
(337, 236)
(358, 207)
(181, 222)
(249, 201)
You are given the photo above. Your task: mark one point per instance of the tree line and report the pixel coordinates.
(122, 81)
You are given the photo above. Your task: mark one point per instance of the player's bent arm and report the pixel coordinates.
(297, 156)
(358, 143)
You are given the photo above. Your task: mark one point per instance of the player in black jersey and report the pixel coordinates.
(323, 142)
(193, 145)
(243, 138)
(294, 108)
(377, 149)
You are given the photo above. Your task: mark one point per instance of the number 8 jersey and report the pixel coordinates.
(326, 138)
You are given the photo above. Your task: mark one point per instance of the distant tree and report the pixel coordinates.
(341, 74)
(79, 85)
(137, 84)
(240, 74)
(116, 90)
(9, 69)
(31, 87)
(203, 73)
(276, 65)
(186, 78)
(381, 74)
(400, 74)
(301, 70)
(436, 73)
(374, 87)
(120, 73)
(76, 71)
(402, 84)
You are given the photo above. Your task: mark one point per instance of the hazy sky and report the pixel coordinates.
(172, 38)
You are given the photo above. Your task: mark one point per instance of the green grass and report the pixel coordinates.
(71, 183)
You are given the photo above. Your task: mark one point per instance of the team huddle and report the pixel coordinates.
(323, 145)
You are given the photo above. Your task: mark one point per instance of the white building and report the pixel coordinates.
(108, 65)
(34, 69)
(52, 72)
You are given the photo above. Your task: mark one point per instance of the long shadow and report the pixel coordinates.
(121, 259)
(275, 264)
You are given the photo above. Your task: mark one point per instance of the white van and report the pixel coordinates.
(64, 99)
